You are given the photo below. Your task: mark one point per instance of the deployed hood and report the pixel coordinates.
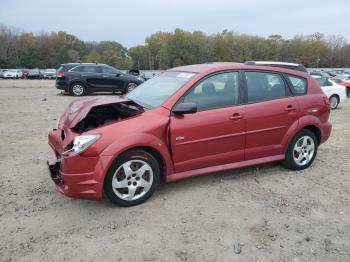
(79, 109)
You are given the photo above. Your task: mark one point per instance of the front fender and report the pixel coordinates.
(139, 140)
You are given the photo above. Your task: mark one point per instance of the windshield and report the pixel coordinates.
(159, 89)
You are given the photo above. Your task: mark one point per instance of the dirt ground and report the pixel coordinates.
(275, 214)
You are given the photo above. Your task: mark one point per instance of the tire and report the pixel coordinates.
(131, 86)
(77, 89)
(348, 91)
(334, 101)
(305, 141)
(132, 178)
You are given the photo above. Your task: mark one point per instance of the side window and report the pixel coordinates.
(77, 69)
(217, 91)
(264, 86)
(109, 70)
(299, 84)
(90, 69)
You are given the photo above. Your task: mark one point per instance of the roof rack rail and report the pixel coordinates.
(294, 66)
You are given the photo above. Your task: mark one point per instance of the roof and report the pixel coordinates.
(220, 66)
(198, 68)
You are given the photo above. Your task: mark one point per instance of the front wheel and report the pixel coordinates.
(301, 151)
(130, 87)
(132, 178)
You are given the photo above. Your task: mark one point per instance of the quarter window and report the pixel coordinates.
(298, 84)
(264, 86)
(217, 91)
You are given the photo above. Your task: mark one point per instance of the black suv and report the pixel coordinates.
(81, 78)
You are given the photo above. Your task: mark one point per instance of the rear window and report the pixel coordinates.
(299, 84)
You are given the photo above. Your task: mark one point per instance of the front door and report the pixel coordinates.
(111, 79)
(215, 134)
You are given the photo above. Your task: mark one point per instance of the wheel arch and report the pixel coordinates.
(315, 130)
(146, 142)
(309, 122)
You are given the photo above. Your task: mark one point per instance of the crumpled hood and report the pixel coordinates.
(78, 109)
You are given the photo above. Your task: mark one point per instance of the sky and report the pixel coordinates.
(130, 22)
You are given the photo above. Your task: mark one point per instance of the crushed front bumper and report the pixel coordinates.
(76, 176)
(55, 172)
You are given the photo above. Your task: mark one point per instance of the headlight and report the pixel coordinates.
(140, 79)
(80, 143)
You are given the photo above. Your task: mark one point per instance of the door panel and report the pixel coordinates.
(267, 123)
(215, 134)
(207, 138)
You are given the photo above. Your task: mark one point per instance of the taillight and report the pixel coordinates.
(60, 74)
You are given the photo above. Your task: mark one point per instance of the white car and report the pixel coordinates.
(13, 73)
(335, 93)
(49, 74)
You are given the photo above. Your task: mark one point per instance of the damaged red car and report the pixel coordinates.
(188, 121)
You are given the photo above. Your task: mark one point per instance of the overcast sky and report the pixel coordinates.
(129, 22)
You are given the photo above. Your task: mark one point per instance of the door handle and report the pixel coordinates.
(83, 75)
(290, 108)
(236, 116)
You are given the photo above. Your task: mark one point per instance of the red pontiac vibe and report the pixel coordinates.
(188, 121)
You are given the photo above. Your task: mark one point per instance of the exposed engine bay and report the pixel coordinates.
(105, 114)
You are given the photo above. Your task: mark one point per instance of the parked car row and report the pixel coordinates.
(28, 73)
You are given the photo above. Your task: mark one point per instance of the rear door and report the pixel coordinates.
(270, 112)
(93, 77)
(215, 134)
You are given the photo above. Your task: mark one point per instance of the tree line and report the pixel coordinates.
(164, 50)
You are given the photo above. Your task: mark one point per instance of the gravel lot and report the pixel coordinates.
(275, 214)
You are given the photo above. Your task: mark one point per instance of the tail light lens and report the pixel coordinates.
(60, 74)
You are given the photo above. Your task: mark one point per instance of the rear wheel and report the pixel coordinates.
(348, 91)
(77, 89)
(301, 151)
(334, 101)
(132, 178)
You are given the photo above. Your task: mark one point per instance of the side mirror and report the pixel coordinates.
(185, 108)
(118, 74)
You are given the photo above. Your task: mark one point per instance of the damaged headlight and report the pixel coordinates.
(80, 143)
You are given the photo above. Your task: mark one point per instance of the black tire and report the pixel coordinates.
(290, 161)
(335, 104)
(77, 89)
(130, 86)
(348, 91)
(131, 156)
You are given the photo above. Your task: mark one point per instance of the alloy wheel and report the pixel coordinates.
(132, 180)
(333, 102)
(130, 87)
(304, 150)
(78, 89)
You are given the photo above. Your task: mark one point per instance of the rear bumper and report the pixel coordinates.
(77, 176)
(62, 85)
(326, 129)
